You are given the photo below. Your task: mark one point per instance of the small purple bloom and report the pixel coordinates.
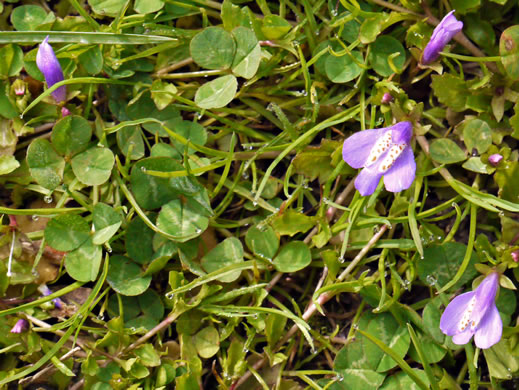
(515, 256)
(49, 65)
(387, 98)
(495, 159)
(58, 303)
(382, 152)
(442, 34)
(474, 313)
(20, 326)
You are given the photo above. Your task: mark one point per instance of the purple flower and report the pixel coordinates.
(495, 159)
(382, 152)
(442, 34)
(20, 326)
(474, 313)
(49, 65)
(58, 303)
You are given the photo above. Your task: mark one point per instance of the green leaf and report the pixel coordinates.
(124, 276)
(477, 134)
(262, 241)
(379, 56)
(501, 361)
(234, 16)
(371, 27)
(354, 368)
(11, 60)
(107, 7)
(226, 253)
(183, 218)
(318, 161)
(30, 17)
(106, 222)
(401, 381)
(66, 232)
(509, 51)
(275, 27)
(139, 241)
(293, 257)
(147, 355)
(162, 93)
(94, 166)
(213, 48)
(291, 222)
(148, 6)
(194, 132)
(82, 264)
(441, 262)
(129, 140)
(344, 68)
(207, 342)
(451, 91)
(217, 93)
(446, 151)
(92, 60)
(71, 135)
(506, 179)
(8, 164)
(248, 53)
(462, 6)
(45, 165)
(475, 164)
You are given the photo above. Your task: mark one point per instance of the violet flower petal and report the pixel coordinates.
(20, 326)
(367, 180)
(453, 313)
(402, 132)
(442, 34)
(485, 296)
(490, 329)
(402, 174)
(49, 65)
(463, 337)
(356, 148)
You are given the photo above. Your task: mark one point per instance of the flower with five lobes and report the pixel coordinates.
(382, 152)
(442, 34)
(49, 65)
(474, 314)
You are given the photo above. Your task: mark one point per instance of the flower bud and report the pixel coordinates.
(495, 159)
(49, 65)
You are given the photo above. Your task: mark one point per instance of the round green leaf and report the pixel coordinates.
(213, 48)
(293, 256)
(107, 7)
(343, 69)
(8, 164)
(263, 242)
(45, 165)
(71, 135)
(441, 262)
(384, 47)
(183, 218)
(446, 151)
(106, 222)
(248, 52)
(148, 6)
(29, 17)
(192, 131)
(509, 51)
(124, 276)
(139, 241)
(66, 232)
(151, 192)
(129, 140)
(228, 252)
(207, 342)
(94, 166)
(12, 60)
(217, 93)
(477, 134)
(92, 60)
(275, 27)
(83, 263)
(401, 381)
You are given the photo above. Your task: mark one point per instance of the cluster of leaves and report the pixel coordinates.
(193, 211)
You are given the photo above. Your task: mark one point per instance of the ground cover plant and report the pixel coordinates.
(300, 194)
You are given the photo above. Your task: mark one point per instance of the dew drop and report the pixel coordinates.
(355, 326)
(101, 317)
(109, 250)
(245, 349)
(341, 259)
(143, 169)
(431, 280)
(254, 203)
(170, 295)
(48, 199)
(35, 217)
